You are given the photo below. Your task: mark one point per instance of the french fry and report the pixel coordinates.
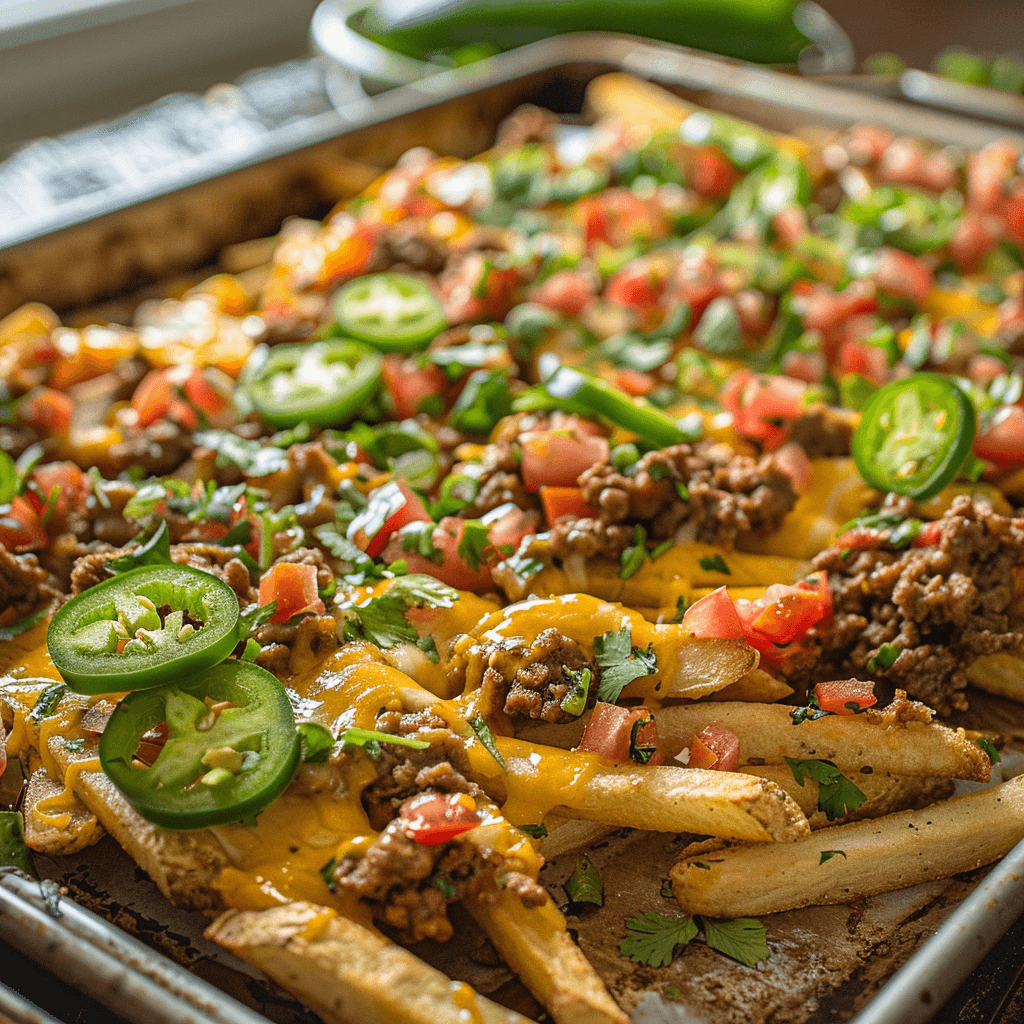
(876, 856)
(566, 835)
(884, 793)
(876, 740)
(756, 687)
(56, 822)
(631, 99)
(1001, 674)
(535, 944)
(347, 973)
(578, 784)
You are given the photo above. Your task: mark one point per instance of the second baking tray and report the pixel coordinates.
(827, 963)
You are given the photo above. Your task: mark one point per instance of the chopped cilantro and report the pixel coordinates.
(75, 746)
(536, 831)
(155, 551)
(662, 548)
(681, 605)
(250, 621)
(837, 795)
(316, 741)
(682, 490)
(621, 662)
(715, 564)
(446, 888)
(419, 537)
(672, 993)
(585, 885)
(885, 657)
(382, 619)
(744, 939)
(653, 939)
(486, 737)
(808, 713)
(827, 855)
(47, 701)
(474, 544)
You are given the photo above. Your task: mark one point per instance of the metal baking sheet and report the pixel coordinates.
(828, 964)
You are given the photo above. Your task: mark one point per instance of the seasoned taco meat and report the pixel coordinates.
(941, 604)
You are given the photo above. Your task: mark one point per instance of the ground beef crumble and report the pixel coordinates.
(824, 431)
(705, 491)
(409, 883)
(525, 681)
(943, 605)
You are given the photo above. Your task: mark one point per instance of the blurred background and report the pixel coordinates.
(67, 63)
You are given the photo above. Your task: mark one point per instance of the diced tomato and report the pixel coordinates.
(211, 392)
(835, 695)
(390, 508)
(715, 747)
(868, 360)
(755, 401)
(3, 752)
(791, 224)
(293, 587)
(411, 385)
(564, 501)
(453, 568)
(867, 142)
(714, 616)
(558, 457)
(510, 527)
(988, 173)
(712, 175)
(1013, 215)
(348, 256)
(610, 731)
(567, 291)
(475, 288)
(1011, 314)
(983, 368)
(792, 460)
(156, 398)
(618, 217)
(638, 285)
(435, 818)
(785, 612)
(57, 487)
(929, 534)
(905, 162)
(806, 366)
(823, 308)
(783, 615)
(1001, 439)
(900, 273)
(971, 240)
(633, 382)
(20, 527)
(754, 311)
(699, 293)
(47, 410)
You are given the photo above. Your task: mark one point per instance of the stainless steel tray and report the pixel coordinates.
(104, 243)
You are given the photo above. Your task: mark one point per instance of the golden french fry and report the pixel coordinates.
(56, 821)
(878, 740)
(756, 687)
(184, 865)
(578, 784)
(631, 99)
(884, 793)
(868, 857)
(1001, 674)
(569, 836)
(533, 941)
(347, 973)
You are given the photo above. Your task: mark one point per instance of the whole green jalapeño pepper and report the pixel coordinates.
(232, 747)
(144, 628)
